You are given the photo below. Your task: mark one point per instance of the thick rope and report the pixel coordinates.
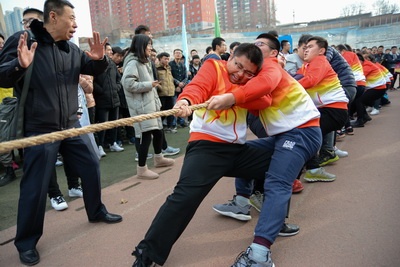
(61, 135)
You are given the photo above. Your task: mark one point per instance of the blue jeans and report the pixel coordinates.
(291, 150)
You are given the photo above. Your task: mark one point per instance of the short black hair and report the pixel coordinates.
(274, 33)
(275, 42)
(163, 54)
(2, 36)
(341, 47)
(303, 39)
(216, 41)
(56, 6)
(320, 41)
(117, 50)
(232, 45)
(195, 57)
(283, 43)
(32, 10)
(208, 49)
(142, 29)
(252, 52)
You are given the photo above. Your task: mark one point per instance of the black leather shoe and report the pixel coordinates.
(108, 218)
(29, 257)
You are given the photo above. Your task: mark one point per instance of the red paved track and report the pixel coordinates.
(353, 221)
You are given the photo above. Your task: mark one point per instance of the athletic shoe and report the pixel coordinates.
(245, 259)
(171, 130)
(58, 203)
(374, 112)
(101, 151)
(256, 200)
(349, 130)
(149, 156)
(116, 148)
(319, 175)
(327, 157)
(170, 151)
(357, 124)
(231, 209)
(297, 186)
(131, 141)
(340, 153)
(289, 230)
(340, 134)
(120, 143)
(75, 192)
(369, 109)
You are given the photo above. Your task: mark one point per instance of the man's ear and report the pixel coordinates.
(322, 51)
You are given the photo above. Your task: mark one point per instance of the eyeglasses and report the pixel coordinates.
(259, 44)
(247, 73)
(27, 21)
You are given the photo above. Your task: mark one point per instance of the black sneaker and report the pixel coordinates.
(366, 118)
(141, 260)
(357, 124)
(327, 157)
(289, 230)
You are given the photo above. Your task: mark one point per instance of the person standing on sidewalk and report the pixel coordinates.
(51, 105)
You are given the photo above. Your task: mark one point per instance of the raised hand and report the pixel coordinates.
(25, 55)
(96, 47)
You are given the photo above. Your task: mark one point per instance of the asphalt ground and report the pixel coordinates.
(352, 221)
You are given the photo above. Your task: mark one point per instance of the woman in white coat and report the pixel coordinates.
(142, 98)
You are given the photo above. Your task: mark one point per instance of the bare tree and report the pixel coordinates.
(385, 7)
(353, 9)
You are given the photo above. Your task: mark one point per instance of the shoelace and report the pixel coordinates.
(59, 199)
(244, 255)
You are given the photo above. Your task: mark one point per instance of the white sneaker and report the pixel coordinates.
(59, 163)
(374, 112)
(102, 153)
(116, 148)
(340, 153)
(75, 192)
(58, 203)
(369, 109)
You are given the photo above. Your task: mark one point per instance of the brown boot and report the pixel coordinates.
(160, 161)
(145, 174)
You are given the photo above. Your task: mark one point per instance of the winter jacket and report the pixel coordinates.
(106, 87)
(341, 67)
(167, 87)
(141, 96)
(52, 100)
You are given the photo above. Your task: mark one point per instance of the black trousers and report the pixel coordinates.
(204, 164)
(39, 164)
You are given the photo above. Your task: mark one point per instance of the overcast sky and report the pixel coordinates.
(303, 10)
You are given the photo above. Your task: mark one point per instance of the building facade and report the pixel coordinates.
(235, 15)
(161, 16)
(13, 21)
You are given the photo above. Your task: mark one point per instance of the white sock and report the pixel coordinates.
(242, 201)
(258, 252)
(158, 155)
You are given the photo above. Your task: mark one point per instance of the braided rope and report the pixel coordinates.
(61, 135)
